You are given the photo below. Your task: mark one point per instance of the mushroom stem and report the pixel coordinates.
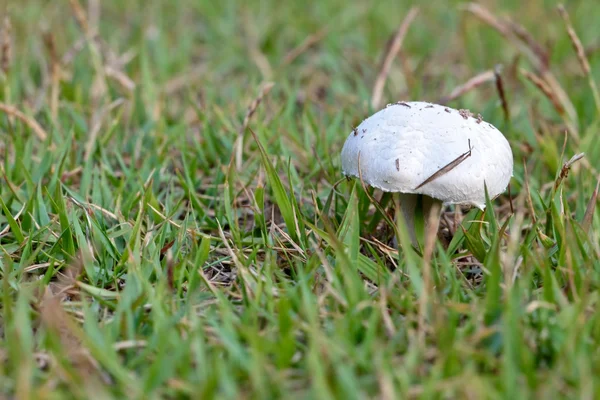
(407, 204)
(421, 216)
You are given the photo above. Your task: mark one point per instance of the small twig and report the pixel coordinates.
(501, 92)
(469, 85)
(37, 128)
(448, 167)
(390, 55)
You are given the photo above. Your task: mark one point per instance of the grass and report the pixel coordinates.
(174, 227)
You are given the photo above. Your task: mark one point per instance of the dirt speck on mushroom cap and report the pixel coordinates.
(466, 114)
(409, 143)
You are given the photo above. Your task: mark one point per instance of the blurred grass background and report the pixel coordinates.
(144, 257)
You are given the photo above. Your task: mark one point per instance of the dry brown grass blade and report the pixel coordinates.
(61, 324)
(75, 49)
(474, 82)
(30, 122)
(121, 78)
(539, 56)
(93, 15)
(393, 50)
(99, 86)
(548, 89)
(538, 50)
(264, 90)
(185, 80)
(581, 56)
(591, 49)
(571, 114)
(6, 46)
(54, 73)
(487, 17)
(510, 200)
(80, 15)
(448, 167)
(96, 122)
(583, 61)
(590, 209)
(306, 44)
(66, 284)
(545, 89)
(254, 49)
(501, 91)
(192, 232)
(513, 32)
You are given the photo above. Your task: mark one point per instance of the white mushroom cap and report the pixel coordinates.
(403, 145)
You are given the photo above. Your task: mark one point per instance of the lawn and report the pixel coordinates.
(174, 222)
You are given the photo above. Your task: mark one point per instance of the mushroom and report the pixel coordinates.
(428, 155)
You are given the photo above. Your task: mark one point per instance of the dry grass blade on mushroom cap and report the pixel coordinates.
(448, 167)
